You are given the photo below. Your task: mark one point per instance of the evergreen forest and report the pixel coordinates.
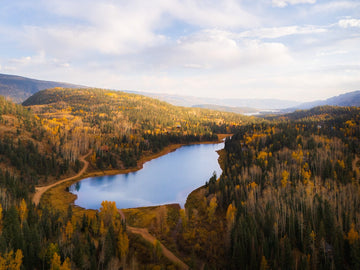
(288, 196)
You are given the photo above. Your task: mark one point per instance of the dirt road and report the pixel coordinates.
(39, 191)
(167, 253)
(148, 237)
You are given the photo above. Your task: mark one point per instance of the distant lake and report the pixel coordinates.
(167, 179)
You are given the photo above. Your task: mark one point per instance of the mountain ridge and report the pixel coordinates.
(19, 88)
(349, 99)
(191, 101)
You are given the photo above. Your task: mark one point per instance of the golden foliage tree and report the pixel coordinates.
(123, 244)
(23, 211)
(352, 235)
(69, 230)
(56, 263)
(212, 208)
(230, 216)
(108, 212)
(11, 261)
(284, 179)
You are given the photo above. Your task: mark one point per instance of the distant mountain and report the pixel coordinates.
(190, 101)
(347, 99)
(19, 88)
(241, 110)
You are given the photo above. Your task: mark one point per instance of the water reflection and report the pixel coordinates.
(167, 179)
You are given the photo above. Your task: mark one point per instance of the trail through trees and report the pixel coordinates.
(39, 191)
(148, 237)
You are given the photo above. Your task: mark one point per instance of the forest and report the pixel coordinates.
(42, 143)
(289, 193)
(288, 197)
(121, 127)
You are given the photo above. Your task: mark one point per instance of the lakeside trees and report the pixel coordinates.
(44, 146)
(122, 127)
(289, 193)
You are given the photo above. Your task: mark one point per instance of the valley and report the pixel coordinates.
(289, 182)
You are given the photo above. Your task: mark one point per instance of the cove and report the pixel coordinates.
(164, 180)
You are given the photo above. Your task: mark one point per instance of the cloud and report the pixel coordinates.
(211, 49)
(35, 61)
(212, 13)
(277, 32)
(346, 23)
(284, 3)
(105, 28)
(206, 48)
(127, 27)
(335, 6)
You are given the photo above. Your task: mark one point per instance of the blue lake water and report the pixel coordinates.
(167, 179)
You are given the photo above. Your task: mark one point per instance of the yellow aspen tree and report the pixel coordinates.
(66, 265)
(17, 260)
(352, 235)
(306, 173)
(230, 216)
(69, 230)
(11, 262)
(55, 262)
(2, 262)
(285, 177)
(23, 211)
(123, 244)
(108, 212)
(212, 208)
(102, 229)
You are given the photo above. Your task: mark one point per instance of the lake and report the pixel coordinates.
(167, 179)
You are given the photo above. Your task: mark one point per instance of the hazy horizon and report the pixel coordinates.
(298, 50)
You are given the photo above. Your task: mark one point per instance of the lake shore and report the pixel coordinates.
(59, 196)
(140, 164)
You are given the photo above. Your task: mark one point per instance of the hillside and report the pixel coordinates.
(19, 88)
(348, 99)
(240, 110)
(42, 143)
(121, 127)
(288, 195)
(27, 158)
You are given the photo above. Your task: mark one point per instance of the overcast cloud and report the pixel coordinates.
(288, 49)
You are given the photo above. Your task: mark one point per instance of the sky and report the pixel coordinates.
(299, 50)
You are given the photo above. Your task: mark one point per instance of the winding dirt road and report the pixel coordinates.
(148, 237)
(167, 253)
(39, 191)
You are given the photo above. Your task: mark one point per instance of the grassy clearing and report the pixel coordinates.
(60, 198)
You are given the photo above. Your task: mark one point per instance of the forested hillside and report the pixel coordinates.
(41, 143)
(288, 197)
(122, 127)
(26, 157)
